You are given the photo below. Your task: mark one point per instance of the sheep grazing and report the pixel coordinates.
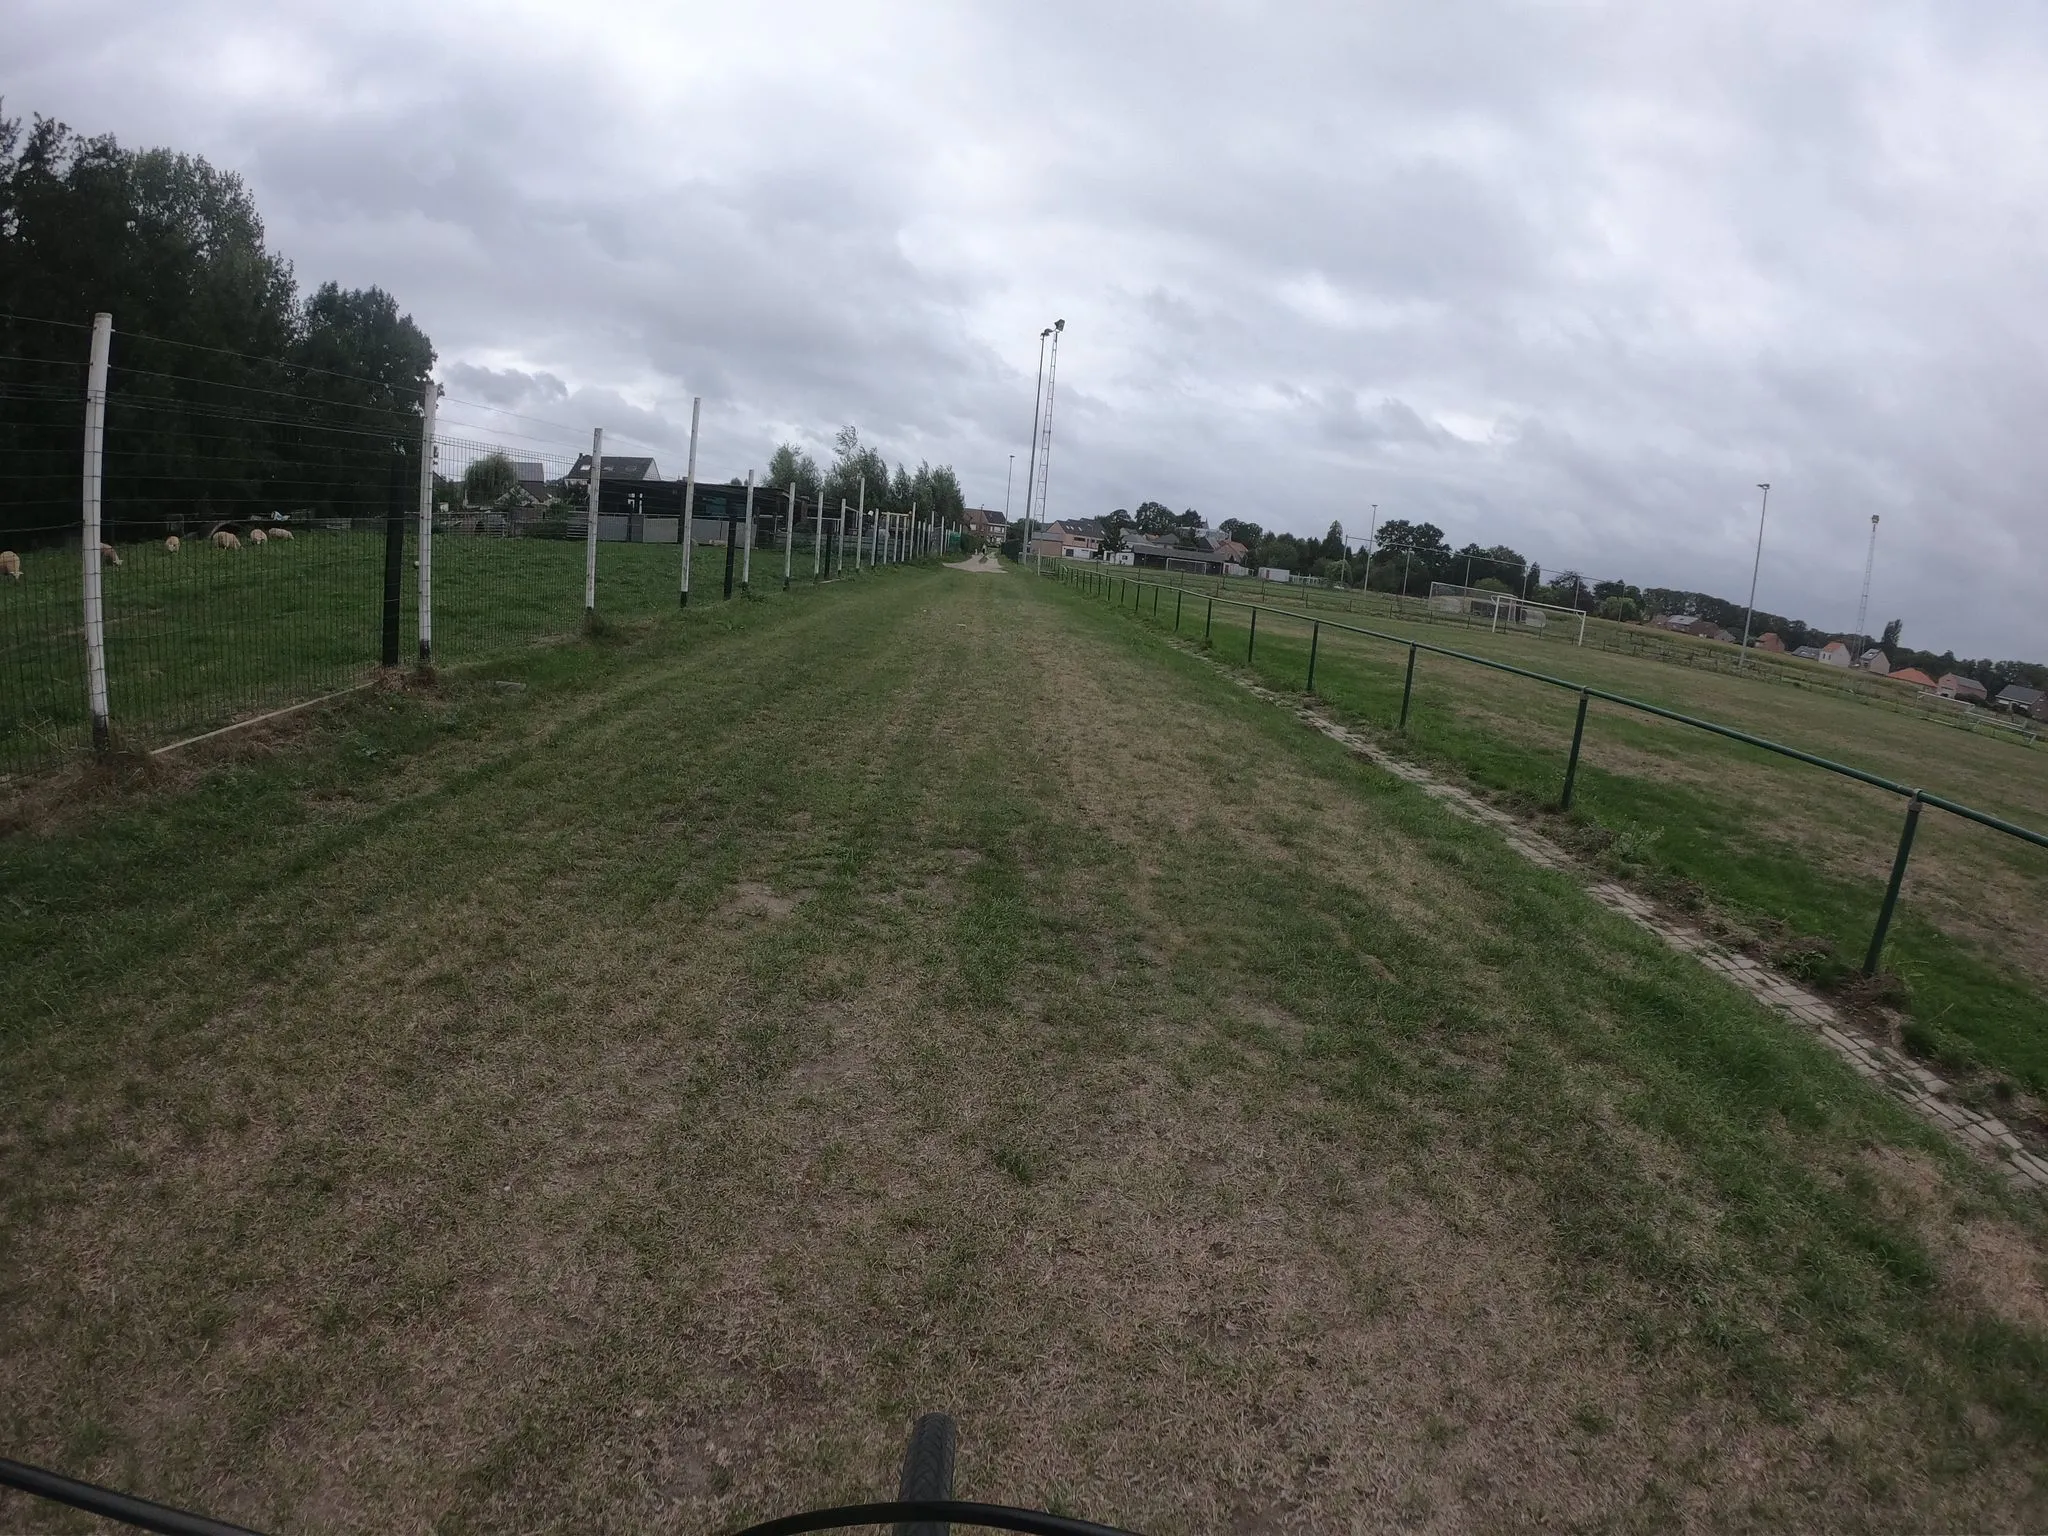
(171, 545)
(10, 565)
(281, 533)
(109, 555)
(226, 539)
(257, 536)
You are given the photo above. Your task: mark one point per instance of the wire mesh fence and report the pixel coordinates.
(259, 540)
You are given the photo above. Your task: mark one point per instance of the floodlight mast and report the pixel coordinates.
(1869, 564)
(1045, 441)
(1031, 463)
(1750, 613)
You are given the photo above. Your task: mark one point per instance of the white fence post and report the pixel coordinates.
(747, 549)
(839, 538)
(818, 537)
(590, 532)
(430, 396)
(689, 529)
(860, 523)
(95, 458)
(788, 535)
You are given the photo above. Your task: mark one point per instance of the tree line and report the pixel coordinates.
(230, 393)
(858, 471)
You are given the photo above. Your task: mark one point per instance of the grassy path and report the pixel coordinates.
(624, 1099)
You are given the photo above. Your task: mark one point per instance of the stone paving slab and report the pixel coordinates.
(1925, 1092)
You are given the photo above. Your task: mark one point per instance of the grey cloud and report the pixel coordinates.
(1572, 278)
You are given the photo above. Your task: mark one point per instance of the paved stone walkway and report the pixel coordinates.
(1926, 1093)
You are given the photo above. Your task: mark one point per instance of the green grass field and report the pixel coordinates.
(1792, 856)
(203, 637)
(621, 1087)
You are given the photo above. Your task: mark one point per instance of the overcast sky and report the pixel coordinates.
(1568, 276)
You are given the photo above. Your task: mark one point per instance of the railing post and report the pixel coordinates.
(1209, 618)
(688, 526)
(1891, 891)
(1571, 768)
(1177, 596)
(593, 498)
(1251, 641)
(94, 468)
(1407, 688)
(394, 556)
(430, 394)
(1315, 637)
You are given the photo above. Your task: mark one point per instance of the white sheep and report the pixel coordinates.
(109, 555)
(257, 536)
(281, 533)
(171, 545)
(10, 565)
(225, 539)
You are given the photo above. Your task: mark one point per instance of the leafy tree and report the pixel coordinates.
(236, 398)
(790, 466)
(1154, 518)
(490, 479)
(1247, 534)
(1190, 520)
(856, 472)
(1112, 537)
(1892, 631)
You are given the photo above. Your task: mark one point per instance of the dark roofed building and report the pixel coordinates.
(2022, 700)
(984, 524)
(616, 467)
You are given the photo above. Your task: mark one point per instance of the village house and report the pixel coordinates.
(2022, 700)
(990, 527)
(1953, 685)
(1074, 538)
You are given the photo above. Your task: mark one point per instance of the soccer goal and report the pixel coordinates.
(1504, 610)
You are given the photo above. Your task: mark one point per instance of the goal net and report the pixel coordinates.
(1504, 610)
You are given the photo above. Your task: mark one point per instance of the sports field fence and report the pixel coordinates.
(1174, 599)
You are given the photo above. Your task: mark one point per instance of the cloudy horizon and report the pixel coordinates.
(1572, 278)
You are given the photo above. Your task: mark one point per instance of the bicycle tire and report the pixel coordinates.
(928, 1471)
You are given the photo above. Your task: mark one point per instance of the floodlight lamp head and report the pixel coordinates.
(1059, 325)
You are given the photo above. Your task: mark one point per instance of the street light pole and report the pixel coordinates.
(1008, 478)
(1371, 533)
(1758, 565)
(1031, 463)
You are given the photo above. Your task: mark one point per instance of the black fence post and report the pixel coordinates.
(1252, 640)
(1891, 891)
(1571, 768)
(1315, 637)
(1177, 596)
(1209, 618)
(394, 555)
(1407, 688)
(730, 542)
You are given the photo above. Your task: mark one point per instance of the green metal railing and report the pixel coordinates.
(1119, 589)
